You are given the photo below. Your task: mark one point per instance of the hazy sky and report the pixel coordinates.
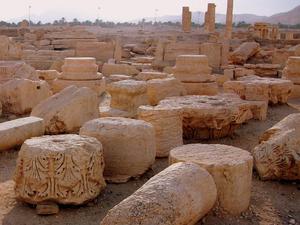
(129, 9)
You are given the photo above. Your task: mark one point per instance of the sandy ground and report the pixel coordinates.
(272, 203)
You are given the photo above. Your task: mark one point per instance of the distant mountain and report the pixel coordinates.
(292, 17)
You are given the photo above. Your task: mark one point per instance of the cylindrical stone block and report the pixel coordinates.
(181, 194)
(167, 122)
(230, 167)
(129, 146)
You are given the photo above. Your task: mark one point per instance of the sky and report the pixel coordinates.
(127, 10)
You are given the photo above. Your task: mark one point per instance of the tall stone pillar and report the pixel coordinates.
(186, 19)
(228, 33)
(210, 18)
(229, 19)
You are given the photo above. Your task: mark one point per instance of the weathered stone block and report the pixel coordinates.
(20, 96)
(158, 89)
(13, 133)
(167, 122)
(244, 52)
(129, 146)
(230, 167)
(277, 155)
(109, 69)
(68, 110)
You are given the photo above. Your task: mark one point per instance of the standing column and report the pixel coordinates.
(210, 18)
(186, 19)
(228, 33)
(206, 22)
(229, 19)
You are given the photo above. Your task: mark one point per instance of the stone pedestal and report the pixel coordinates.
(230, 167)
(128, 95)
(81, 72)
(167, 122)
(64, 169)
(181, 194)
(195, 74)
(129, 146)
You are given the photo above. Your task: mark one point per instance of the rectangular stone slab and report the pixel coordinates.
(15, 132)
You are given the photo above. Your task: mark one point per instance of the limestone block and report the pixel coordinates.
(145, 76)
(116, 78)
(242, 72)
(213, 52)
(192, 64)
(102, 51)
(26, 72)
(109, 69)
(280, 56)
(158, 89)
(295, 92)
(256, 88)
(20, 96)
(181, 194)
(80, 68)
(230, 167)
(172, 50)
(259, 109)
(264, 70)
(47, 75)
(68, 110)
(4, 47)
(128, 95)
(129, 146)
(167, 122)
(292, 70)
(107, 111)
(16, 69)
(244, 52)
(143, 59)
(209, 117)
(13, 133)
(80, 73)
(210, 88)
(98, 86)
(221, 79)
(277, 155)
(68, 169)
